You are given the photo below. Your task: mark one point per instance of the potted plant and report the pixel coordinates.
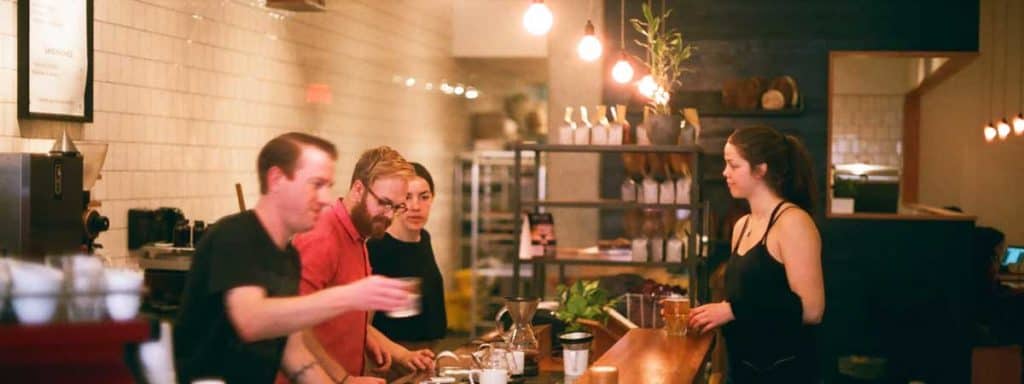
(666, 52)
(582, 300)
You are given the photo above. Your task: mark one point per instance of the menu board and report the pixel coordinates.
(54, 63)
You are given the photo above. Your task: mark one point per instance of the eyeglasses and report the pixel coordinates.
(389, 205)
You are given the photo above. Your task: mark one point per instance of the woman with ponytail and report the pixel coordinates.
(774, 287)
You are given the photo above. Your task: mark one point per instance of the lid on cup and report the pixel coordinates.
(576, 337)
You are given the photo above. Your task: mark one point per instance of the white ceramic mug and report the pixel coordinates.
(493, 376)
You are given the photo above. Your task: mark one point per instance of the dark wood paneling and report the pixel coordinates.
(897, 289)
(889, 291)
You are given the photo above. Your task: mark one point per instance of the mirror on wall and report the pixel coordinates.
(872, 123)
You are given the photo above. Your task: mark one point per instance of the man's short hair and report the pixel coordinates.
(380, 162)
(284, 151)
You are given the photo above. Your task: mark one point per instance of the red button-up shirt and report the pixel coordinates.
(334, 253)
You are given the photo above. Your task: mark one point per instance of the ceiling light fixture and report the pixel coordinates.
(622, 72)
(538, 19)
(589, 47)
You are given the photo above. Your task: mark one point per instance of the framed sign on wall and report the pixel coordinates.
(55, 59)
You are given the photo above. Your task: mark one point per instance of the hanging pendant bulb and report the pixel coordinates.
(990, 133)
(622, 72)
(537, 18)
(589, 47)
(1003, 129)
(1018, 125)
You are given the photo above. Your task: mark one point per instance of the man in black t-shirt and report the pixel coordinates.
(241, 319)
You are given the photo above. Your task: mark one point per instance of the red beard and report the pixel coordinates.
(373, 227)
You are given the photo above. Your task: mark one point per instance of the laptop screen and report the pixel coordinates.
(1014, 254)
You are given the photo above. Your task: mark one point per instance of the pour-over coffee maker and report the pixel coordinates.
(519, 336)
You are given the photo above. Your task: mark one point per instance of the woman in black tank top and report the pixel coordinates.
(774, 288)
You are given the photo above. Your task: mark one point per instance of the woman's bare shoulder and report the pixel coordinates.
(796, 224)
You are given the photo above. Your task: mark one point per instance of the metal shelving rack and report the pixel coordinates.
(695, 261)
(486, 220)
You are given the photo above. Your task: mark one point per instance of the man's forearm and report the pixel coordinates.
(300, 366)
(257, 317)
(333, 369)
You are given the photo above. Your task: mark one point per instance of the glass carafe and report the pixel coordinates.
(519, 336)
(496, 364)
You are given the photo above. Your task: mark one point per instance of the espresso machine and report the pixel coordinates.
(45, 208)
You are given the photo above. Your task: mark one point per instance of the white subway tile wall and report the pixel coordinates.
(186, 92)
(867, 129)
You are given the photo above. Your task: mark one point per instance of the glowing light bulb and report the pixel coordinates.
(647, 86)
(459, 90)
(1003, 129)
(622, 72)
(472, 93)
(537, 19)
(661, 96)
(990, 133)
(589, 47)
(446, 88)
(410, 82)
(1018, 124)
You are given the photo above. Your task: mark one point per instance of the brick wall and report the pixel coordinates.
(186, 92)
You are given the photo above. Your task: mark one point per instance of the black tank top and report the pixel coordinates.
(767, 341)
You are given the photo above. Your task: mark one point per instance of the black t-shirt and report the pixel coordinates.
(395, 258)
(236, 252)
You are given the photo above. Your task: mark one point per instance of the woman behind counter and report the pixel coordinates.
(405, 251)
(774, 287)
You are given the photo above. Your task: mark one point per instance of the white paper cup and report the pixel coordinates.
(31, 278)
(35, 310)
(123, 286)
(35, 291)
(413, 307)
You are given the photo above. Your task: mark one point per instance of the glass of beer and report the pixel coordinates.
(676, 311)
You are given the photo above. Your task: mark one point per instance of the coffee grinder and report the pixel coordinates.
(44, 206)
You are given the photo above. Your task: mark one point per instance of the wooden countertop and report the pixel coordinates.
(643, 356)
(651, 356)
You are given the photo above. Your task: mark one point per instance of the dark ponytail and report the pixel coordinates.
(790, 171)
(801, 188)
